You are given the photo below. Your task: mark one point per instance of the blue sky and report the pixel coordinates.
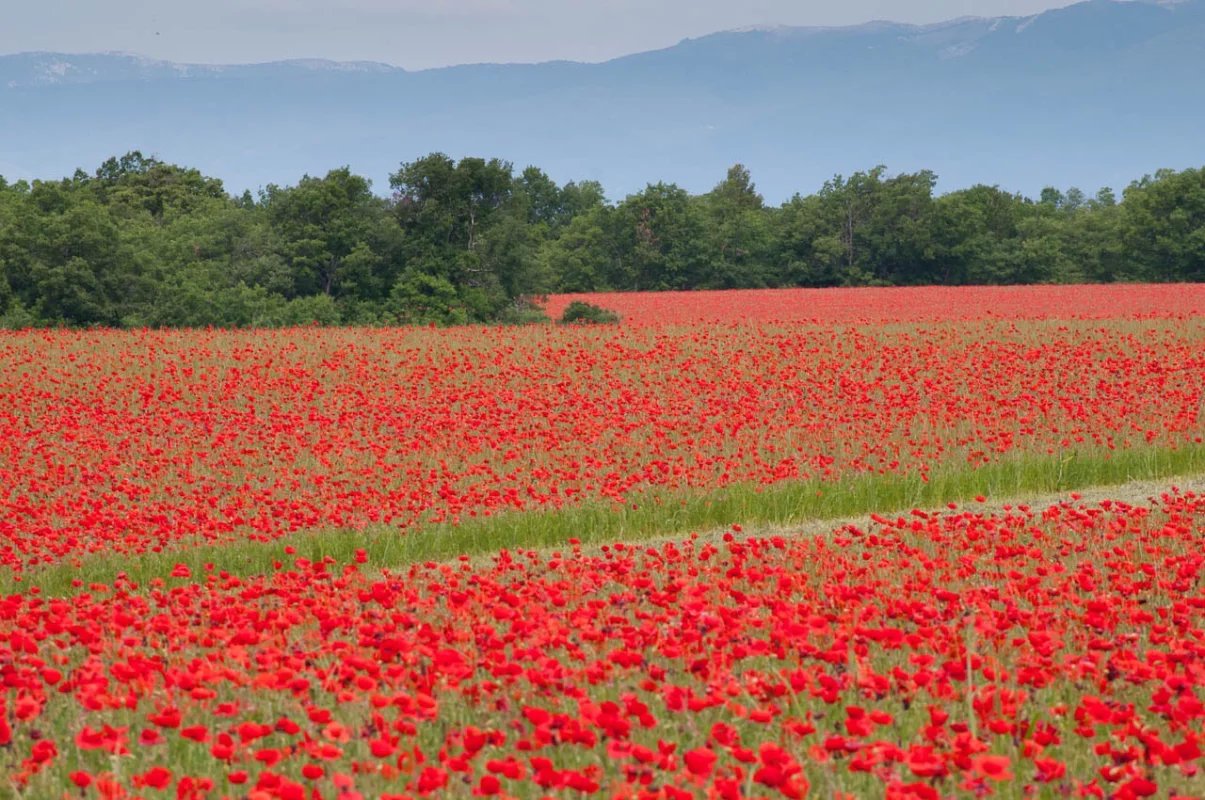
(430, 33)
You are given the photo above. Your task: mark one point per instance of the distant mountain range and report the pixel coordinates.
(1093, 94)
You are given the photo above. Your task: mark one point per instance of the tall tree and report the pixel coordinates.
(581, 259)
(976, 235)
(472, 224)
(660, 240)
(331, 230)
(737, 233)
(1163, 225)
(138, 184)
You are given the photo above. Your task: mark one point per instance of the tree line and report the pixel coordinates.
(141, 242)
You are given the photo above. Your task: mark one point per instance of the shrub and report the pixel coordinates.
(580, 312)
(522, 311)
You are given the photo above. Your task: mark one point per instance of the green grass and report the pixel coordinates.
(651, 515)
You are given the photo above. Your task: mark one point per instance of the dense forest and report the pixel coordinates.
(141, 242)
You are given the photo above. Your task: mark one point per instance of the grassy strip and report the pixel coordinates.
(654, 514)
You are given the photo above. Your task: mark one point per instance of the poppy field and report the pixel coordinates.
(897, 304)
(970, 649)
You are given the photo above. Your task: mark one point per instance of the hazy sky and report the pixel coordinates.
(428, 33)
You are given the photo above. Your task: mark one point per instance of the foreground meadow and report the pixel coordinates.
(1054, 652)
(231, 567)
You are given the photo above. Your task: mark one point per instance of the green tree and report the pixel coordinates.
(581, 258)
(542, 201)
(475, 227)
(420, 297)
(582, 197)
(333, 233)
(446, 204)
(805, 246)
(659, 236)
(137, 184)
(977, 237)
(883, 226)
(62, 255)
(1163, 226)
(738, 233)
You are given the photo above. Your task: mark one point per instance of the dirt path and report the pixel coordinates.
(1132, 493)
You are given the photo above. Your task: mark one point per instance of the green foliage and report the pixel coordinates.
(333, 232)
(523, 311)
(579, 312)
(737, 234)
(1163, 224)
(17, 317)
(659, 238)
(420, 298)
(141, 242)
(319, 309)
(581, 258)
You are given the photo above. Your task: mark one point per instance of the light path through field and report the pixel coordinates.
(1134, 493)
(785, 510)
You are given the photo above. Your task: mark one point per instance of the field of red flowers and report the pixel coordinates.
(1024, 652)
(1056, 652)
(117, 442)
(895, 304)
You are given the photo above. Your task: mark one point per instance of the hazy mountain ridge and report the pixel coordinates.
(1095, 93)
(36, 69)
